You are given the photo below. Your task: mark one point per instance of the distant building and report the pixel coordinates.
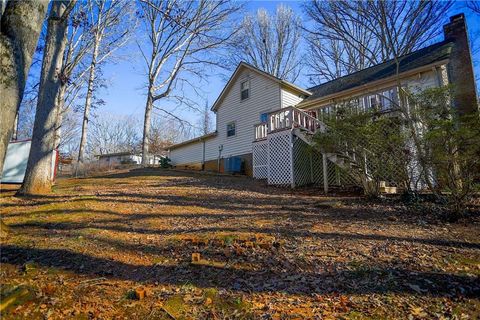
(125, 158)
(118, 158)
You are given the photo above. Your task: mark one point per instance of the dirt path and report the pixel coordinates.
(270, 253)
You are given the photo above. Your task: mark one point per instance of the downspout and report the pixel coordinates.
(220, 148)
(203, 157)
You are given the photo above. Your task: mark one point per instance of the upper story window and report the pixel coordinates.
(230, 129)
(245, 89)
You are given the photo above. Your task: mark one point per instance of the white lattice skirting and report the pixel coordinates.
(280, 162)
(260, 159)
(286, 160)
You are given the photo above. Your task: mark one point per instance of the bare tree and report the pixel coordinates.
(39, 172)
(110, 16)
(358, 34)
(179, 34)
(205, 123)
(21, 22)
(270, 43)
(71, 128)
(474, 6)
(339, 42)
(166, 132)
(111, 133)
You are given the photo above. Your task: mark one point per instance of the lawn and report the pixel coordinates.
(120, 246)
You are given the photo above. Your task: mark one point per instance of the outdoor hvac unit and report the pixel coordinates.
(233, 165)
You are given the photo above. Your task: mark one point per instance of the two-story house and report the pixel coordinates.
(247, 99)
(269, 122)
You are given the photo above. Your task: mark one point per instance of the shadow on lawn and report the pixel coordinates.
(382, 279)
(125, 225)
(167, 204)
(180, 178)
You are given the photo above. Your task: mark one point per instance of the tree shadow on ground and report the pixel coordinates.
(381, 279)
(181, 178)
(125, 225)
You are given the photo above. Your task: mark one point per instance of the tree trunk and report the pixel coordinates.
(21, 24)
(38, 176)
(60, 103)
(88, 104)
(15, 128)
(146, 129)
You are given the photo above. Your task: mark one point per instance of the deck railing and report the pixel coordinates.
(261, 131)
(288, 118)
(291, 117)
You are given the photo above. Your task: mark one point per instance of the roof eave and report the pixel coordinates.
(362, 87)
(198, 139)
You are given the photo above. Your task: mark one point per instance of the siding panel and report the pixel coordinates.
(190, 153)
(290, 98)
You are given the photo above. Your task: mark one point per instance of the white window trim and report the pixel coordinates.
(235, 124)
(242, 81)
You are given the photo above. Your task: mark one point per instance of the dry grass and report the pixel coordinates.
(283, 255)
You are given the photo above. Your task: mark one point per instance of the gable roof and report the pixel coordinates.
(243, 65)
(426, 56)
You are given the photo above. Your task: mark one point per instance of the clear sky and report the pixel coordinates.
(126, 92)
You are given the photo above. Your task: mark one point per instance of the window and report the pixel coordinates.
(389, 99)
(374, 103)
(230, 129)
(264, 117)
(245, 89)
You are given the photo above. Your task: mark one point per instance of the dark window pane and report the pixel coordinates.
(231, 129)
(245, 94)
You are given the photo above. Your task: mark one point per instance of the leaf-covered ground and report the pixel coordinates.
(120, 246)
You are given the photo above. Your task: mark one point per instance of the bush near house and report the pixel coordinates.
(441, 146)
(452, 145)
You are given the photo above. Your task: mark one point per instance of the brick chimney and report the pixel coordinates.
(460, 67)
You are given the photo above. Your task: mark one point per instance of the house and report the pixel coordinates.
(127, 157)
(246, 100)
(118, 158)
(269, 122)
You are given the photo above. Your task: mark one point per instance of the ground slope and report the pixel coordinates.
(269, 253)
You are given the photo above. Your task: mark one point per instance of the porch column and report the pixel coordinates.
(325, 173)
